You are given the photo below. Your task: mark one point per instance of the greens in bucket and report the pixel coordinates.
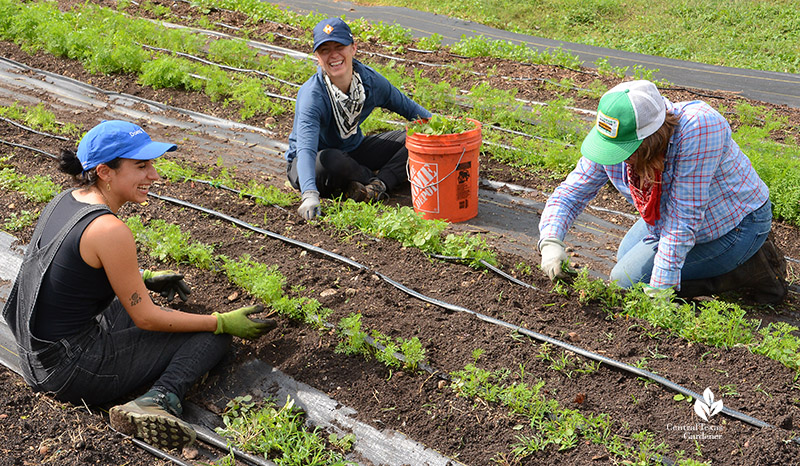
(438, 125)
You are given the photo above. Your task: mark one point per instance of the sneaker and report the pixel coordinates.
(153, 417)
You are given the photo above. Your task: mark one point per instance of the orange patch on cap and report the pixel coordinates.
(328, 29)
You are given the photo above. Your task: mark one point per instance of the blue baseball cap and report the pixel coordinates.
(114, 138)
(332, 29)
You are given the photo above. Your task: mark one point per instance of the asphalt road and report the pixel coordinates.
(767, 86)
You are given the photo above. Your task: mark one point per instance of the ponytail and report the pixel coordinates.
(68, 163)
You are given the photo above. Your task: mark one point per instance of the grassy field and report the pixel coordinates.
(756, 34)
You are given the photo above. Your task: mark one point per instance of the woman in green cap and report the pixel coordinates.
(705, 213)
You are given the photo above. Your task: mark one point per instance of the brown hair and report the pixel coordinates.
(649, 157)
(68, 163)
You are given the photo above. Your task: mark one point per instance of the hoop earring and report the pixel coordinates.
(108, 186)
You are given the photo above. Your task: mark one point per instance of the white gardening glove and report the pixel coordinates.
(554, 254)
(309, 208)
(659, 293)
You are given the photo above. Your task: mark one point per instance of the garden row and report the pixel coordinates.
(522, 136)
(490, 369)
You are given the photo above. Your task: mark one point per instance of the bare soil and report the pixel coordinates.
(39, 430)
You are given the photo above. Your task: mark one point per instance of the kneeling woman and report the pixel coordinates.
(705, 213)
(86, 328)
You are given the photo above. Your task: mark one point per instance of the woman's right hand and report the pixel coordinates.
(554, 255)
(237, 323)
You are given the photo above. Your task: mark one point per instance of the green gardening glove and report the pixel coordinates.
(237, 323)
(166, 283)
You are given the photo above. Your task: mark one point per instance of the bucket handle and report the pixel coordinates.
(408, 173)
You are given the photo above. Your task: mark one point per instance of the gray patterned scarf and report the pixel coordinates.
(346, 107)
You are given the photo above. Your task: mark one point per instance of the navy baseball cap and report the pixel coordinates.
(114, 138)
(332, 29)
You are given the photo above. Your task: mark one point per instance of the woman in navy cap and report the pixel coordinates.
(705, 213)
(86, 328)
(328, 155)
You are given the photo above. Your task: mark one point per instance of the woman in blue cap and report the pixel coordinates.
(85, 326)
(705, 213)
(328, 155)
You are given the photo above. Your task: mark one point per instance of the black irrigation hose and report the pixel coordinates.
(157, 452)
(538, 336)
(220, 443)
(452, 307)
(22, 146)
(40, 133)
(488, 266)
(700, 94)
(226, 67)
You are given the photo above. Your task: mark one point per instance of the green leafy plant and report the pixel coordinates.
(164, 240)
(36, 188)
(16, 222)
(439, 125)
(278, 433)
(413, 352)
(353, 339)
(432, 42)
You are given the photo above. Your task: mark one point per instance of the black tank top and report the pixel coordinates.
(72, 292)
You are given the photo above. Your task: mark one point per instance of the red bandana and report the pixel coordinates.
(647, 198)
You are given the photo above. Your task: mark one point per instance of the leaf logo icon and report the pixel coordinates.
(706, 407)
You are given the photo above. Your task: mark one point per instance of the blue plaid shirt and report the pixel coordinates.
(709, 186)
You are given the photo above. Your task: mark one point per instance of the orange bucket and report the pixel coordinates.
(443, 172)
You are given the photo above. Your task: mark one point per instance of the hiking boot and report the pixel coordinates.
(375, 190)
(356, 191)
(153, 417)
(761, 278)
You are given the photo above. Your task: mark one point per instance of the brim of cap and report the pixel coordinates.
(600, 149)
(341, 41)
(149, 151)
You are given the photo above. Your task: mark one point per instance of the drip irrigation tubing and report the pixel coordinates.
(27, 128)
(286, 51)
(225, 67)
(793, 288)
(22, 146)
(456, 308)
(218, 442)
(489, 266)
(452, 307)
(157, 452)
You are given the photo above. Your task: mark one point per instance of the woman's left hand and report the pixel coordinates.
(167, 283)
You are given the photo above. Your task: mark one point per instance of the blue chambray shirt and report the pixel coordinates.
(709, 186)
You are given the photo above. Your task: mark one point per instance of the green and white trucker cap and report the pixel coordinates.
(627, 114)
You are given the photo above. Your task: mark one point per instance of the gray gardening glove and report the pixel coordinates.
(167, 283)
(554, 256)
(309, 208)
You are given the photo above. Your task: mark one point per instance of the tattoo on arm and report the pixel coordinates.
(135, 298)
(166, 309)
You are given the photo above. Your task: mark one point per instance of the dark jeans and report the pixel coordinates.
(115, 357)
(383, 156)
